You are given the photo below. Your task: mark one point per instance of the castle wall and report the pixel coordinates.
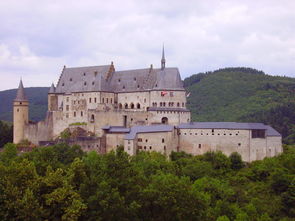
(200, 141)
(163, 142)
(174, 117)
(114, 140)
(274, 146)
(170, 99)
(41, 131)
(142, 98)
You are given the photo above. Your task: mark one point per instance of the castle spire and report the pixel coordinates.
(52, 89)
(163, 60)
(20, 94)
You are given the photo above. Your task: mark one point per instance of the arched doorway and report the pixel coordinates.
(138, 106)
(164, 120)
(132, 106)
(126, 106)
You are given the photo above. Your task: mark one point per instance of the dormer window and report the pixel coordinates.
(85, 83)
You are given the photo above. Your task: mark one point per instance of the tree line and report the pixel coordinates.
(64, 183)
(6, 133)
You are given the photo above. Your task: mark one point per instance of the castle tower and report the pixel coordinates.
(163, 60)
(52, 99)
(20, 114)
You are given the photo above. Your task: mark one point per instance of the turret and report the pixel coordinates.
(52, 99)
(163, 60)
(20, 114)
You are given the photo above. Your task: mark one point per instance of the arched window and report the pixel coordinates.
(138, 105)
(160, 104)
(126, 106)
(182, 104)
(164, 104)
(120, 106)
(92, 118)
(178, 104)
(132, 106)
(164, 120)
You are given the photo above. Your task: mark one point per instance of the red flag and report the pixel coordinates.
(163, 93)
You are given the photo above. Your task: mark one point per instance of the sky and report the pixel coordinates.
(37, 38)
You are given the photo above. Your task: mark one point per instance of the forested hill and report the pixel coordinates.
(243, 94)
(38, 103)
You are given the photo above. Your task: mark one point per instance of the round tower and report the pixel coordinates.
(20, 114)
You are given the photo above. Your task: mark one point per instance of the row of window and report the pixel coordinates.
(131, 106)
(207, 134)
(146, 140)
(169, 104)
(148, 148)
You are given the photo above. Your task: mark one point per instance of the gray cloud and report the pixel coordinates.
(38, 37)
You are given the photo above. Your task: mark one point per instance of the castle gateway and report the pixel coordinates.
(100, 109)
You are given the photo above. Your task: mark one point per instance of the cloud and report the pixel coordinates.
(38, 37)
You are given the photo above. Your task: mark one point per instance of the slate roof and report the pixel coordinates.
(20, 94)
(147, 129)
(116, 129)
(83, 79)
(230, 125)
(52, 89)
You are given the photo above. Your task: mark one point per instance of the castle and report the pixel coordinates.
(142, 110)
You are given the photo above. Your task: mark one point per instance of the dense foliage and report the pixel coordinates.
(63, 183)
(6, 133)
(243, 94)
(38, 103)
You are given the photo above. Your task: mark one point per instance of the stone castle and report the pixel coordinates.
(142, 110)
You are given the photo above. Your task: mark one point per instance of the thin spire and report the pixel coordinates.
(163, 60)
(20, 94)
(52, 89)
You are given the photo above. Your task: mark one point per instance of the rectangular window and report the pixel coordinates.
(139, 139)
(89, 100)
(67, 107)
(258, 133)
(95, 100)
(74, 114)
(68, 99)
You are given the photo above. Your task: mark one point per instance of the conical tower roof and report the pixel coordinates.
(52, 89)
(20, 94)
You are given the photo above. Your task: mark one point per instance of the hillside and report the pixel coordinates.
(243, 94)
(38, 103)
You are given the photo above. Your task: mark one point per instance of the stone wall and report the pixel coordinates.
(41, 131)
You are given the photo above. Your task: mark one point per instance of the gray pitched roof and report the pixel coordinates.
(20, 94)
(83, 79)
(116, 129)
(230, 125)
(52, 89)
(147, 129)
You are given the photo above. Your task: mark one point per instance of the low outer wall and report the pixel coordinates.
(40, 131)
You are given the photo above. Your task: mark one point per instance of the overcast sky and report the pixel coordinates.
(38, 37)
